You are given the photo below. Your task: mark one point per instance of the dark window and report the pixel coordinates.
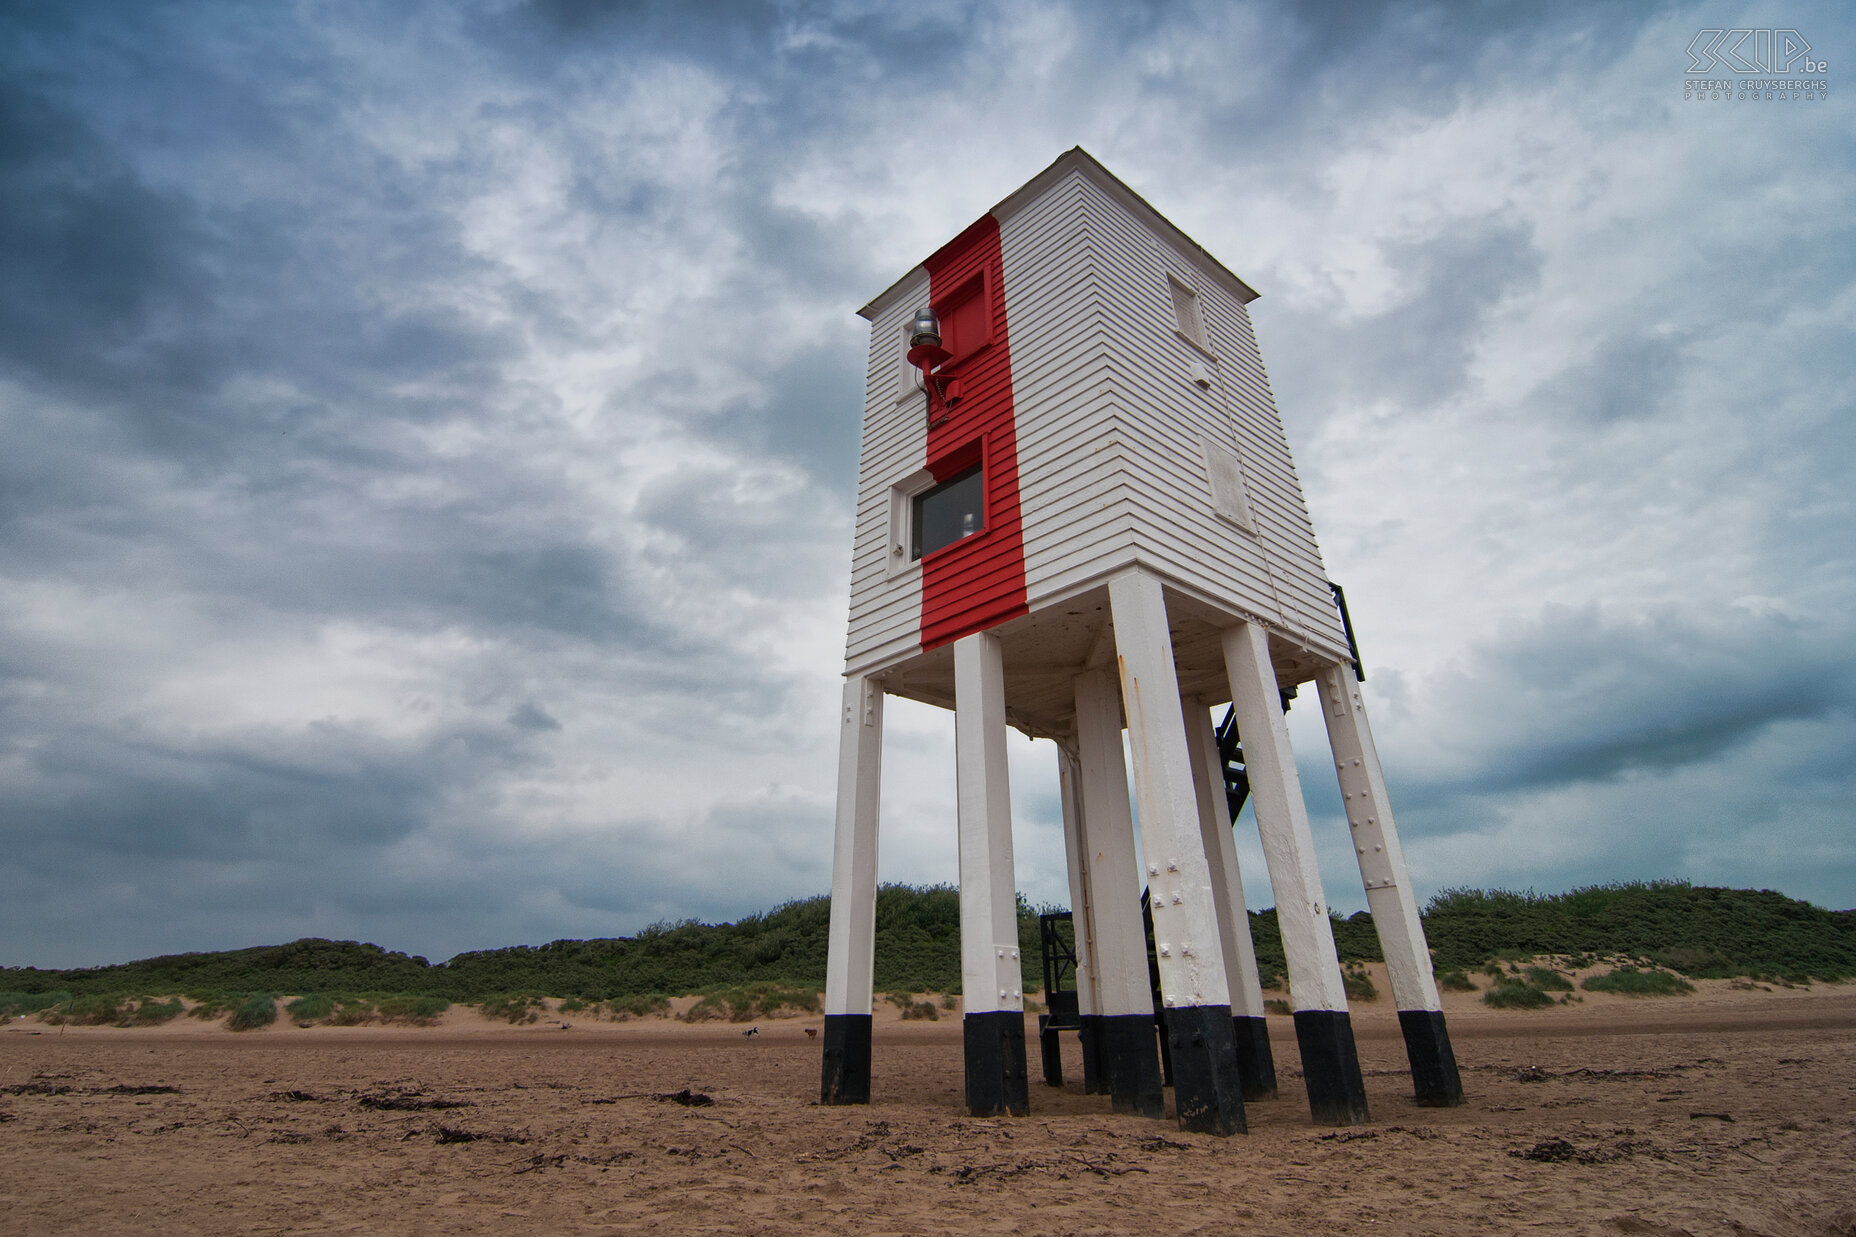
(954, 509)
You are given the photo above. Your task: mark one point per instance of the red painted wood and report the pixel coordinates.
(979, 581)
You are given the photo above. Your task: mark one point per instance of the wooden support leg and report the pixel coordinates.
(1123, 1028)
(852, 942)
(1323, 1031)
(1082, 918)
(991, 978)
(1256, 1064)
(1434, 1074)
(1207, 1091)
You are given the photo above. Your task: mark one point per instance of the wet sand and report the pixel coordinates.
(1728, 1112)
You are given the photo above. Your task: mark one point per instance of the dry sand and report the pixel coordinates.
(1731, 1111)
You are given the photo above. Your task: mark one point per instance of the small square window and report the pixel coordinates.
(1186, 314)
(954, 509)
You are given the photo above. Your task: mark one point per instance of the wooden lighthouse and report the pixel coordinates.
(1076, 513)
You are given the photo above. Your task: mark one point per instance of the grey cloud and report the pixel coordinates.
(188, 844)
(101, 268)
(1418, 350)
(83, 796)
(1634, 376)
(750, 36)
(531, 716)
(1573, 697)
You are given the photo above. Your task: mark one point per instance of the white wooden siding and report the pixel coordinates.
(1277, 574)
(1070, 459)
(886, 607)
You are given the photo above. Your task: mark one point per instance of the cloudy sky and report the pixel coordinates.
(430, 438)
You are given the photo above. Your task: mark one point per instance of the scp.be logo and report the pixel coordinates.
(1753, 51)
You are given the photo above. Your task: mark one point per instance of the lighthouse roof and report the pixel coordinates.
(1076, 159)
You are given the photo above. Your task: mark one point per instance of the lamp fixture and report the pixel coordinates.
(927, 354)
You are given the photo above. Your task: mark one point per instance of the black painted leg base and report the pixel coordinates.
(1208, 1092)
(1434, 1080)
(1131, 1064)
(1331, 1067)
(1256, 1064)
(1094, 1083)
(997, 1084)
(846, 1075)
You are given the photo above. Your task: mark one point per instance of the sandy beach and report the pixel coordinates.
(1728, 1111)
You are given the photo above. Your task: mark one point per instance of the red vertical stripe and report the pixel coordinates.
(979, 581)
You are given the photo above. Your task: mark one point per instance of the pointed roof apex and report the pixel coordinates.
(1076, 159)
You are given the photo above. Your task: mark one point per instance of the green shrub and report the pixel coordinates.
(750, 1002)
(103, 1011)
(1702, 963)
(1456, 981)
(312, 1008)
(1703, 932)
(921, 1011)
(148, 1012)
(351, 1011)
(1274, 1006)
(776, 997)
(254, 1012)
(713, 1007)
(211, 1004)
(85, 1011)
(515, 1008)
(420, 1011)
(574, 1004)
(1360, 986)
(1629, 981)
(625, 1008)
(1516, 996)
(1547, 979)
(18, 1004)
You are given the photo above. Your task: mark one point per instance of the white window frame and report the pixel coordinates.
(896, 559)
(1188, 314)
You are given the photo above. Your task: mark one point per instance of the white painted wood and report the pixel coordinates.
(886, 603)
(989, 958)
(1375, 841)
(1186, 932)
(1118, 938)
(851, 956)
(1315, 981)
(1076, 855)
(1068, 452)
(1240, 951)
(1168, 417)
